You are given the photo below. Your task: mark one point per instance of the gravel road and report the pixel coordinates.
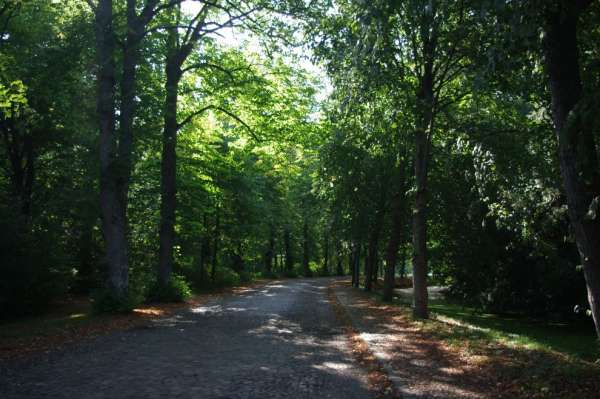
(275, 341)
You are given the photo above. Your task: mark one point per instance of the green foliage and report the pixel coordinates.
(269, 274)
(176, 290)
(103, 301)
(35, 269)
(226, 277)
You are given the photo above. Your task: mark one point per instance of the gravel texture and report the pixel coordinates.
(276, 341)
(419, 367)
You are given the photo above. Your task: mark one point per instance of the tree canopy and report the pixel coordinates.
(154, 147)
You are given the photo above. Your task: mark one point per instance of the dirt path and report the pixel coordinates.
(417, 367)
(277, 341)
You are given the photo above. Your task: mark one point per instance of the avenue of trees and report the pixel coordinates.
(151, 147)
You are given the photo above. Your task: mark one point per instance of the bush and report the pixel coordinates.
(246, 277)
(103, 301)
(269, 274)
(177, 290)
(34, 268)
(226, 277)
(291, 273)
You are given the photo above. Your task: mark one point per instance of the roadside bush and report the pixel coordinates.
(226, 277)
(177, 290)
(291, 273)
(246, 277)
(103, 301)
(269, 274)
(34, 267)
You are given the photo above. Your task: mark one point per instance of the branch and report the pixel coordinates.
(92, 5)
(223, 110)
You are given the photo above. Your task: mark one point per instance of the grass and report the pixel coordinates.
(576, 339)
(512, 356)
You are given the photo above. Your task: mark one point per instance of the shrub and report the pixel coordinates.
(177, 290)
(269, 274)
(226, 277)
(246, 277)
(291, 273)
(103, 301)
(34, 267)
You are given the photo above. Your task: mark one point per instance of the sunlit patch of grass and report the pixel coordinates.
(576, 339)
(520, 357)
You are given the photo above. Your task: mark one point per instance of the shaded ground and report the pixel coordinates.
(434, 291)
(434, 359)
(278, 341)
(73, 320)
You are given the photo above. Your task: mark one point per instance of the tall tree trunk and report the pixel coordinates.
(116, 155)
(326, 256)
(305, 251)
(356, 265)
(576, 146)
(169, 171)
(424, 131)
(270, 251)
(19, 148)
(391, 254)
(215, 254)
(289, 260)
(373, 247)
(113, 213)
(204, 249)
(177, 53)
(352, 263)
(402, 262)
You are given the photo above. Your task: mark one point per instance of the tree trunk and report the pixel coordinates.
(19, 148)
(114, 220)
(423, 133)
(270, 251)
(340, 268)
(391, 254)
(356, 265)
(215, 255)
(169, 171)
(402, 262)
(576, 146)
(420, 230)
(204, 250)
(305, 251)
(326, 256)
(373, 248)
(289, 260)
(177, 53)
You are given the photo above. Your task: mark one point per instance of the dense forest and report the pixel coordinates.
(153, 148)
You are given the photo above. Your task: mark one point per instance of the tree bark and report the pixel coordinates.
(177, 53)
(289, 259)
(204, 250)
(114, 219)
(215, 254)
(305, 251)
(326, 256)
(576, 146)
(21, 157)
(391, 254)
(169, 168)
(270, 251)
(373, 247)
(423, 134)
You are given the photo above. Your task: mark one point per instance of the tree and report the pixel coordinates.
(573, 113)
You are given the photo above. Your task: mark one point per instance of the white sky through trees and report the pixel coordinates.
(239, 38)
